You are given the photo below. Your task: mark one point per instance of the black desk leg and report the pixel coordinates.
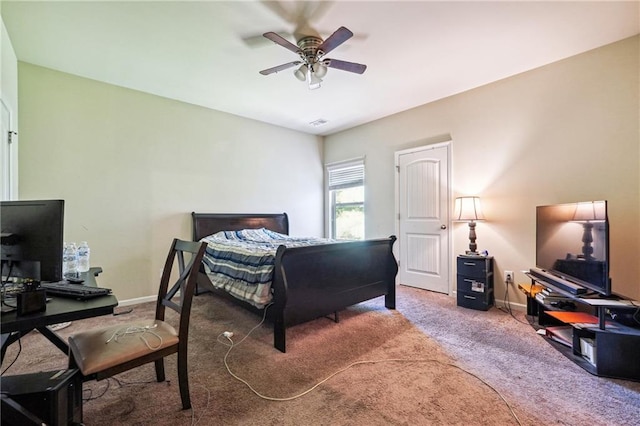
(55, 339)
(8, 339)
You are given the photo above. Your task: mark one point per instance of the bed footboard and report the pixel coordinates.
(311, 282)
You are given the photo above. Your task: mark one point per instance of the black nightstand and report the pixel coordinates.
(475, 282)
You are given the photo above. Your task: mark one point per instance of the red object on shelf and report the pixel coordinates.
(573, 317)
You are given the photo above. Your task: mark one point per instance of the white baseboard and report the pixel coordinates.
(516, 306)
(137, 300)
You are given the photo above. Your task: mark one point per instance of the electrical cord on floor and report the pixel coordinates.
(122, 383)
(16, 358)
(228, 335)
(90, 391)
(194, 422)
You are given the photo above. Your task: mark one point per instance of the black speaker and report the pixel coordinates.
(53, 397)
(32, 301)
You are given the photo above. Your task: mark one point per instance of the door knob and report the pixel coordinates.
(443, 226)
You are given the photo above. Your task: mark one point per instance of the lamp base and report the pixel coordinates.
(472, 238)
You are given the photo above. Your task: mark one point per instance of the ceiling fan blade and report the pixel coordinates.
(345, 66)
(258, 40)
(281, 41)
(341, 35)
(280, 68)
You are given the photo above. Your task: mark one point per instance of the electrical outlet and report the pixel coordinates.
(508, 276)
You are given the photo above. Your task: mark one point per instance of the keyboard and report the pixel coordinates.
(74, 291)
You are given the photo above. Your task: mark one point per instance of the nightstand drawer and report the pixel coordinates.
(474, 267)
(472, 285)
(473, 300)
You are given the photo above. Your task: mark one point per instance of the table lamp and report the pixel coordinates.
(468, 209)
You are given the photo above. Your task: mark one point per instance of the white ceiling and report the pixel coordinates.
(209, 53)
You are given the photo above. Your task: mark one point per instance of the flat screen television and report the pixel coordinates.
(572, 246)
(32, 239)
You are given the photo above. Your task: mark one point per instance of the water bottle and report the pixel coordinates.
(83, 257)
(65, 266)
(71, 261)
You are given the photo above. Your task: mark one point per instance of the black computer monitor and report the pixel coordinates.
(32, 239)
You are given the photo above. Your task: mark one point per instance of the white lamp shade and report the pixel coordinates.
(301, 73)
(320, 70)
(468, 209)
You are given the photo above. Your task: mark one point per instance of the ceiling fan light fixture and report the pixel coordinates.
(314, 81)
(319, 69)
(311, 50)
(301, 73)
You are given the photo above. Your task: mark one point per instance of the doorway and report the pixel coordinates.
(422, 204)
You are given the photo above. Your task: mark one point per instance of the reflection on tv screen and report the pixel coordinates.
(572, 242)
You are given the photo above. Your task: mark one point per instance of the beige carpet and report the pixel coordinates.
(423, 349)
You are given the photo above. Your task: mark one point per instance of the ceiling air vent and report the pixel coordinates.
(318, 122)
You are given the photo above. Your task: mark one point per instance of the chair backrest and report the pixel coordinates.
(188, 255)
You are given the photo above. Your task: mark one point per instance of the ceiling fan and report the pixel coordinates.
(313, 64)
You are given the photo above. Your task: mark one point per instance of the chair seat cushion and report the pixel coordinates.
(100, 349)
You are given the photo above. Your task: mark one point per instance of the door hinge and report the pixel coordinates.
(397, 169)
(10, 135)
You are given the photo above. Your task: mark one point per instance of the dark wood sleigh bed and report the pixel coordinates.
(309, 282)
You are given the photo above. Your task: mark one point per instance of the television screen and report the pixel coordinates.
(32, 239)
(572, 244)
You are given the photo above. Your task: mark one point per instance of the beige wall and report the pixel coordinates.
(133, 166)
(147, 162)
(569, 131)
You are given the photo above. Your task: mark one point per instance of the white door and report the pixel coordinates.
(423, 217)
(5, 152)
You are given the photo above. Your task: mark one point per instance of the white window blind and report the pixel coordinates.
(345, 174)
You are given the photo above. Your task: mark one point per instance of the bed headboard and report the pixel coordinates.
(205, 224)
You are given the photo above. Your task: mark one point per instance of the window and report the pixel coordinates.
(345, 193)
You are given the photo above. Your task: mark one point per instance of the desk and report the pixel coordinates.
(58, 310)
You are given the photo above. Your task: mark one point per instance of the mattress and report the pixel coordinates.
(242, 262)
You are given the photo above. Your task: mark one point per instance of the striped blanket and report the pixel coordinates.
(242, 262)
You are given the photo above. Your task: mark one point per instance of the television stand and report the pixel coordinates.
(598, 344)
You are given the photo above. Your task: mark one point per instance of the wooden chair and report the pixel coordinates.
(105, 352)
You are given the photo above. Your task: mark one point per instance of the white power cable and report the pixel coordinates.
(137, 330)
(228, 335)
